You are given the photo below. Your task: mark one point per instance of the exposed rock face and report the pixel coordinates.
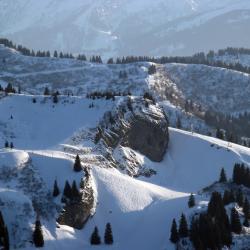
(138, 124)
(148, 136)
(76, 213)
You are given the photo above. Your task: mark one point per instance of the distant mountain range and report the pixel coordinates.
(126, 27)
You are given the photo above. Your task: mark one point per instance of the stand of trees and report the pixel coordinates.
(71, 193)
(241, 175)
(209, 230)
(230, 128)
(213, 229)
(198, 58)
(95, 238)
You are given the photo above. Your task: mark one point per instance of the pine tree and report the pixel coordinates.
(11, 145)
(194, 233)
(6, 145)
(95, 238)
(67, 192)
(232, 196)
(236, 177)
(56, 191)
(215, 204)
(77, 165)
(4, 235)
(246, 209)
(183, 227)
(38, 234)
(174, 236)
(246, 222)
(191, 201)
(46, 91)
(6, 242)
(55, 98)
(178, 123)
(240, 198)
(219, 134)
(235, 222)
(75, 191)
(223, 177)
(108, 236)
(226, 198)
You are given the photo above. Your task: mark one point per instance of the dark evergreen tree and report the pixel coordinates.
(95, 238)
(46, 91)
(108, 236)
(240, 198)
(178, 123)
(246, 222)
(174, 236)
(232, 196)
(4, 235)
(220, 134)
(67, 192)
(183, 227)
(77, 164)
(56, 190)
(110, 61)
(11, 145)
(10, 89)
(38, 234)
(55, 98)
(6, 144)
(235, 222)
(246, 209)
(226, 198)
(191, 201)
(75, 191)
(223, 177)
(195, 233)
(236, 177)
(215, 204)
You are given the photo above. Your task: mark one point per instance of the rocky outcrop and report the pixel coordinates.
(138, 124)
(77, 211)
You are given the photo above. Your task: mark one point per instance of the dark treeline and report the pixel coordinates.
(233, 51)
(213, 229)
(27, 52)
(106, 94)
(241, 175)
(9, 89)
(230, 128)
(198, 58)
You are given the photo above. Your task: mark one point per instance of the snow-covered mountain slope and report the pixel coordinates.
(47, 136)
(211, 87)
(205, 85)
(71, 76)
(123, 27)
(240, 58)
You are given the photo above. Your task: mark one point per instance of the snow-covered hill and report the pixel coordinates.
(205, 85)
(46, 137)
(211, 87)
(123, 27)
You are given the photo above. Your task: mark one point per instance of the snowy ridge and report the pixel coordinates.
(133, 205)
